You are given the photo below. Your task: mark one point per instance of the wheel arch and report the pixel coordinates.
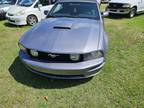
(135, 7)
(33, 15)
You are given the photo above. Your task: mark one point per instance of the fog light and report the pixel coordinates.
(93, 55)
(17, 20)
(22, 47)
(34, 53)
(74, 57)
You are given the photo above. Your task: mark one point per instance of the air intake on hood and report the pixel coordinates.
(58, 27)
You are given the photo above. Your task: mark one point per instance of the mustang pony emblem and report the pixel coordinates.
(53, 55)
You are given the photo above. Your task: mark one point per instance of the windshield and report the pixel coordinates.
(75, 10)
(26, 3)
(12, 2)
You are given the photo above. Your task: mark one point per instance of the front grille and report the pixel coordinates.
(115, 5)
(60, 58)
(10, 14)
(11, 20)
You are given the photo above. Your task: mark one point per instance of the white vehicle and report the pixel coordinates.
(128, 7)
(28, 11)
(4, 6)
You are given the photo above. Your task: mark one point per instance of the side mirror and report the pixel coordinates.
(46, 12)
(104, 14)
(39, 5)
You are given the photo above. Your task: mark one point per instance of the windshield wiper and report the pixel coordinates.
(55, 16)
(89, 18)
(51, 16)
(94, 18)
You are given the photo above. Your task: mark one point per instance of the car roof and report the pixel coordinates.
(92, 1)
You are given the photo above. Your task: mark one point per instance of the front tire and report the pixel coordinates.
(132, 13)
(32, 20)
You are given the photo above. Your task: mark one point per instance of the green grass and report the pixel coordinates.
(119, 85)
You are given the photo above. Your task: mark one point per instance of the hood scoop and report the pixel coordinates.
(60, 27)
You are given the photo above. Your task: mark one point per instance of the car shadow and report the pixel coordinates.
(115, 16)
(24, 76)
(12, 26)
(1, 19)
(139, 14)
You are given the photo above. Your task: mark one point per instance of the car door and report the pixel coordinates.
(36, 11)
(46, 5)
(140, 5)
(143, 5)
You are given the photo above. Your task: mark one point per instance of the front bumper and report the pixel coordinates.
(62, 70)
(16, 20)
(119, 11)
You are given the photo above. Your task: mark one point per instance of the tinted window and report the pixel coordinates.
(75, 9)
(47, 2)
(26, 3)
(7, 2)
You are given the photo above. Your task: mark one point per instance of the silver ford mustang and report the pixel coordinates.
(70, 43)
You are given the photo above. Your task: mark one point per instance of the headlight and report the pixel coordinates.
(22, 47)
(20, 13)
(93, 55)
(75, 57)
(126, 6)
(34, 53)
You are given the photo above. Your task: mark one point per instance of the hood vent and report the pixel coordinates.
(58, 27)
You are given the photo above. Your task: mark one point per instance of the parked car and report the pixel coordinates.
(4, 6)
(28, 11)
(70, 43)
(125, 7)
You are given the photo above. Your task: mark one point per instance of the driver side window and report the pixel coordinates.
(58, 8)
(47, 2)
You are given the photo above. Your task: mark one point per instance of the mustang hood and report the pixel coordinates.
(63, 35)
